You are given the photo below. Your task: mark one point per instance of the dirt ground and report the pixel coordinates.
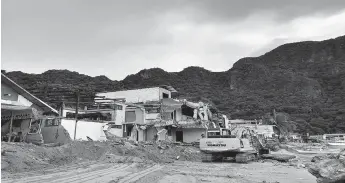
(109, 162)
(179, 172)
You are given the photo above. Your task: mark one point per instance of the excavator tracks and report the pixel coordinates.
(211, 157)
(245, 157)
(206, 158)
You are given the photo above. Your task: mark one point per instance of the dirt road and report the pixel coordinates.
(179, 172)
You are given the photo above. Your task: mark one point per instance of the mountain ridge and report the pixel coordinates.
(304, 79)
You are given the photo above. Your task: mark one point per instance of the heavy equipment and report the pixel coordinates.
(219, 143)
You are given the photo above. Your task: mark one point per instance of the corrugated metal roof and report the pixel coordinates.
(20, 90)
(14, 107)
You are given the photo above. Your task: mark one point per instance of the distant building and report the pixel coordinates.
(24, 116)
(267, 130)
(333, 137)
(295, 137)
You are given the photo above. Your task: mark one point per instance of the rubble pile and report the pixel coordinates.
(19, 157)
(278, 157)
(319, 158)
(273, 145)
(329, 169)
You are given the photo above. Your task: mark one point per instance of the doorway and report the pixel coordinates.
(127, 129)
(179, 136)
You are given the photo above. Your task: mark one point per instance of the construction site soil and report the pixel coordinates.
(87, 161)
(19, 157)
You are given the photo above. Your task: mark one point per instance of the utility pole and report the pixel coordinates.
(76, 114)
(11, 124)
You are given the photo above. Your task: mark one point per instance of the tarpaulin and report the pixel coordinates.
(18, 112)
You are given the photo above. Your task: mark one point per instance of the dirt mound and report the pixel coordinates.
(18, 157)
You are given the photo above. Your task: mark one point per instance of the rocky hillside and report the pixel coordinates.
(305, 80)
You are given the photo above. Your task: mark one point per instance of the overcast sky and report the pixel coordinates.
(116, 38)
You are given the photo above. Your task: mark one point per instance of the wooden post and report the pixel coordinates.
(11, 122)
(62, 108)
(76, 115)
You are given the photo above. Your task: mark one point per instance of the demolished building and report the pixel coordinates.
(151, 114)
(24, 117)
(93, 120)
(262, 130)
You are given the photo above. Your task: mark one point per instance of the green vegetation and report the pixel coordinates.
(305, 81)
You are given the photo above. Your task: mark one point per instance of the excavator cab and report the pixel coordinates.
(219, 133)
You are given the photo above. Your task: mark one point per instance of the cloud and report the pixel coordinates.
(316, 28)
(117, 38)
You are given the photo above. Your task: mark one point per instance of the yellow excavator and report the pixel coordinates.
(219, 143)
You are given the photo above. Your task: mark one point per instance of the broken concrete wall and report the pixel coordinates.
(134, 115)
(162, 133)
(94, 130)
(150, 133)
(178, 116)
(55, 134)
(116, 131)
(200, 110)
(192, 134)
(141, 135)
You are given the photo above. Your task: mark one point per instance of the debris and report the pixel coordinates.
(300, 165)
(278, 157)
(89, 139)
(52, 144)
(319, 158)
(272, 144)
(329, 170)
(341, 155)
(160, 147)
